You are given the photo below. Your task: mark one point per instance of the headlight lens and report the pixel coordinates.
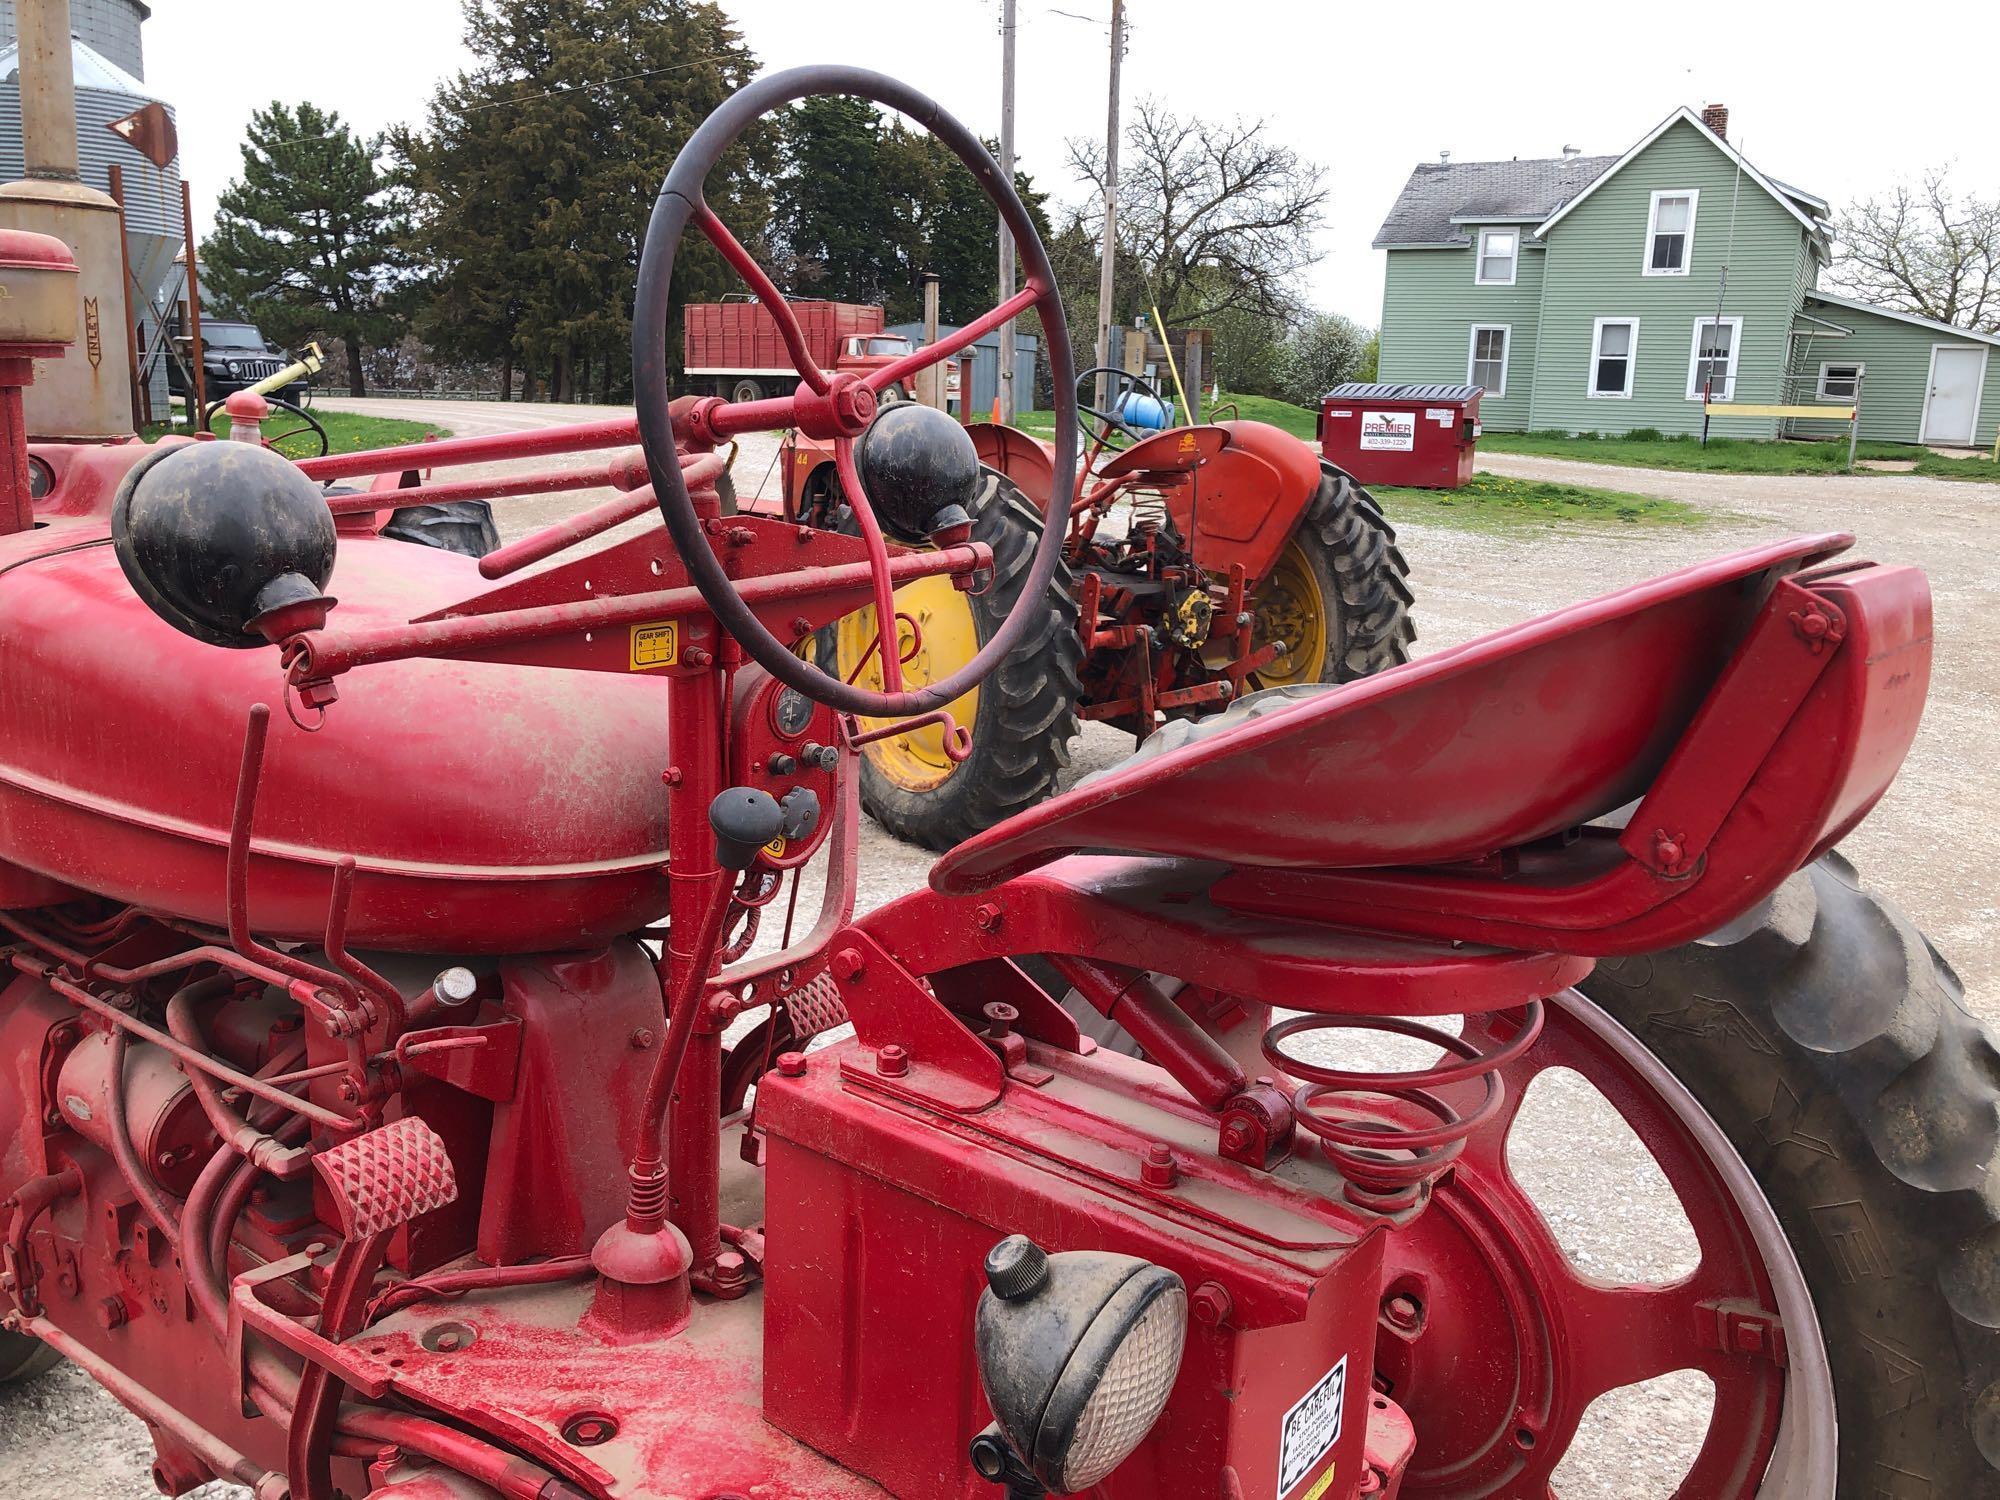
(1130, 1397)
(233, 368)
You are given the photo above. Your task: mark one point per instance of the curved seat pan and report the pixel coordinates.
(1489, 745)
(489, 808)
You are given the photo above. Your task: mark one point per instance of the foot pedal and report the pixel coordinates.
(384, 1179)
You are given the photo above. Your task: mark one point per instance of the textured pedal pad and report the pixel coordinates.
(384, 1179)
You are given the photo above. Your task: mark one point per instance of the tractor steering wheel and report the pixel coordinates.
(1102, 426)
(835, 406)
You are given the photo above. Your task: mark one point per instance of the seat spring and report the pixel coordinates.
(1388, 1165)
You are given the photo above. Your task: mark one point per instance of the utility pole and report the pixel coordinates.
(1006, 385)
(1109, 252)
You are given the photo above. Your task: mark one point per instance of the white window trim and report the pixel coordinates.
(1596, 352)
(1859, 368)
(1728, 391)
(1978, 394)
(1479, 276)
(1506, 332)
(1693, 196)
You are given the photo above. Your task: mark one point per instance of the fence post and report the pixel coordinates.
(1854, 422)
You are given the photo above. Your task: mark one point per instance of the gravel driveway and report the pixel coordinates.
(63, 1439)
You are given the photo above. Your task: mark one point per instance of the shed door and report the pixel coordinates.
(1953, 401)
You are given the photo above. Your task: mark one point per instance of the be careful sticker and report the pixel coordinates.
(1311, 1428)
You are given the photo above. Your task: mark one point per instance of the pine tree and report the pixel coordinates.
(535, 173)
(305, 242)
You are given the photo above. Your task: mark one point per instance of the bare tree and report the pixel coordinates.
(1216, 215)
(1926, 250)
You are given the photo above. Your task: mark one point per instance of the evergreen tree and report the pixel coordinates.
(535, 173)
(305, 242)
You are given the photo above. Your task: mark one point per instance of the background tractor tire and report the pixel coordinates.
(1339, 594)
(1830, 1042)
(1026, 714)
(23, 1358)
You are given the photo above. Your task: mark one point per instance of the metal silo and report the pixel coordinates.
(107, 59)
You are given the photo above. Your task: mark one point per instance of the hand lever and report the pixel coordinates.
(744, 820)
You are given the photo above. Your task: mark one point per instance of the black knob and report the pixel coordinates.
(800, 808)
(744, 820)
(1016, 1268)
(826, 757)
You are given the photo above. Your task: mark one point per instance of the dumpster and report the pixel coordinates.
(1419, 435)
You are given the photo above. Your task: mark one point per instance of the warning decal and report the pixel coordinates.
(1311, 1428)
(1392, 430)
(655, 645)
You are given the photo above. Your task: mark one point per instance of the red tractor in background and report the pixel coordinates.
(1200, 563)
(374, 1115)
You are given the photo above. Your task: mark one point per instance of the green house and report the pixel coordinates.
(1581, 293)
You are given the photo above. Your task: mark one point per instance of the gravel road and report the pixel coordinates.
(62, 1439)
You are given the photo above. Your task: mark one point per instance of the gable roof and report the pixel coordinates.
(1442, 196)
(1828, 299)
(1788, 200)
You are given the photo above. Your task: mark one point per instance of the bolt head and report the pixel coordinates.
(848, 964)
(1403, 1312)
(791, 1065)
(1211, 1304)
(892, 1061)
(641, 1039)
(987, 917)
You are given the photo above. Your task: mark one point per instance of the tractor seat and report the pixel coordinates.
(1753, 707)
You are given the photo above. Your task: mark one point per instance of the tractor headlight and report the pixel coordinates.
(1078, 1353)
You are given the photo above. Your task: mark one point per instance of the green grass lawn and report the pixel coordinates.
(1491, 501)
(346, 432)
(1732, 455)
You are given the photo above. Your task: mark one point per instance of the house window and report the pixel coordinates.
(1486, 366)
(1670, 233)
(1614, 349)
(1712, 358)
(1499, 254)
(1840, 382)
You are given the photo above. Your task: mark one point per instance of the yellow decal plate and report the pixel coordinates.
(655, 646)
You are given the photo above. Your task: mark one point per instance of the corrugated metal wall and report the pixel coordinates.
(986, 365)
(107, 26)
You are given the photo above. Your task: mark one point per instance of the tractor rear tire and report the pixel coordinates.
(1345, 553)
(23, 1358)
(1027, 712)
(1830, 1041)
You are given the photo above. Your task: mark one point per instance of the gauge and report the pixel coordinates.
(792, 714)
(41, 478)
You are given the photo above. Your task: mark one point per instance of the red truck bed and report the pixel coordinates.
(740, 337)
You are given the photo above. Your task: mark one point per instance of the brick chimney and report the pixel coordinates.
(1716, 118)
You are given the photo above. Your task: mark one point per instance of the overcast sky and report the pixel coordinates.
(1828, 98)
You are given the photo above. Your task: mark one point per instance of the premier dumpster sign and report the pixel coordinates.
(1389, 430)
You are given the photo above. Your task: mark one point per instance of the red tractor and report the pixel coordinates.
(1199, 563)
(377, 1069)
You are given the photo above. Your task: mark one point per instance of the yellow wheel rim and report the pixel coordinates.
(916, 762)
(1291, 607)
